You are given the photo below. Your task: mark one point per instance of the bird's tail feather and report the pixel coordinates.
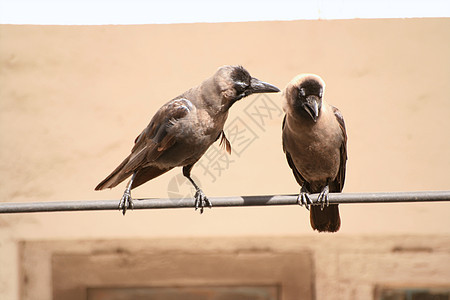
(116, 177)
(327, 220)
(146, 174)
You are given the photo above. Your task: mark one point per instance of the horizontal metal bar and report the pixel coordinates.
(149, 203)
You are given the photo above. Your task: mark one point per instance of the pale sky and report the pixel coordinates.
(97, 12)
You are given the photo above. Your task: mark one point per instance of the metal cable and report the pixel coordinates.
(148, 203)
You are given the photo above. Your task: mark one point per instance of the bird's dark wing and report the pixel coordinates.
(149, 145)
(338, 184)
(298, 177)
(155, 139)
(147, 173)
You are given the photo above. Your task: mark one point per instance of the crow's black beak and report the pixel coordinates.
(312, 106)
(258, 86)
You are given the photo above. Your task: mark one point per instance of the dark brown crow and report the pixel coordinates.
(315, 143)
(183, 129)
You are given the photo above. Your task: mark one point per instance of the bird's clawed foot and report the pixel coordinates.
(201, 200)
(303, 198)
(126, 201)
(323, 197)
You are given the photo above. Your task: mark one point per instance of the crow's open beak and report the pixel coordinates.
(312, 106)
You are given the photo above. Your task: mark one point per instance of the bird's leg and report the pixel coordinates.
(303, 197)
(200, 198)
(126, 201)
(323, 197)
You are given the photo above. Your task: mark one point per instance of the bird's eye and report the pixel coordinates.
(240, 87)
(302, 92)
(321, 93)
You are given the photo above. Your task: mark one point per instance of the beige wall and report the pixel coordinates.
(73, 98)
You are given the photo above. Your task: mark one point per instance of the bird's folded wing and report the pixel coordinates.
(156, 138)
(298, 177)
(340, 178)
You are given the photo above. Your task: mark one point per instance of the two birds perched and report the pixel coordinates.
(181, 131)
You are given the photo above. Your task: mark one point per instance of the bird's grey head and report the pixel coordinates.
(307, 92)
(235, 83)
